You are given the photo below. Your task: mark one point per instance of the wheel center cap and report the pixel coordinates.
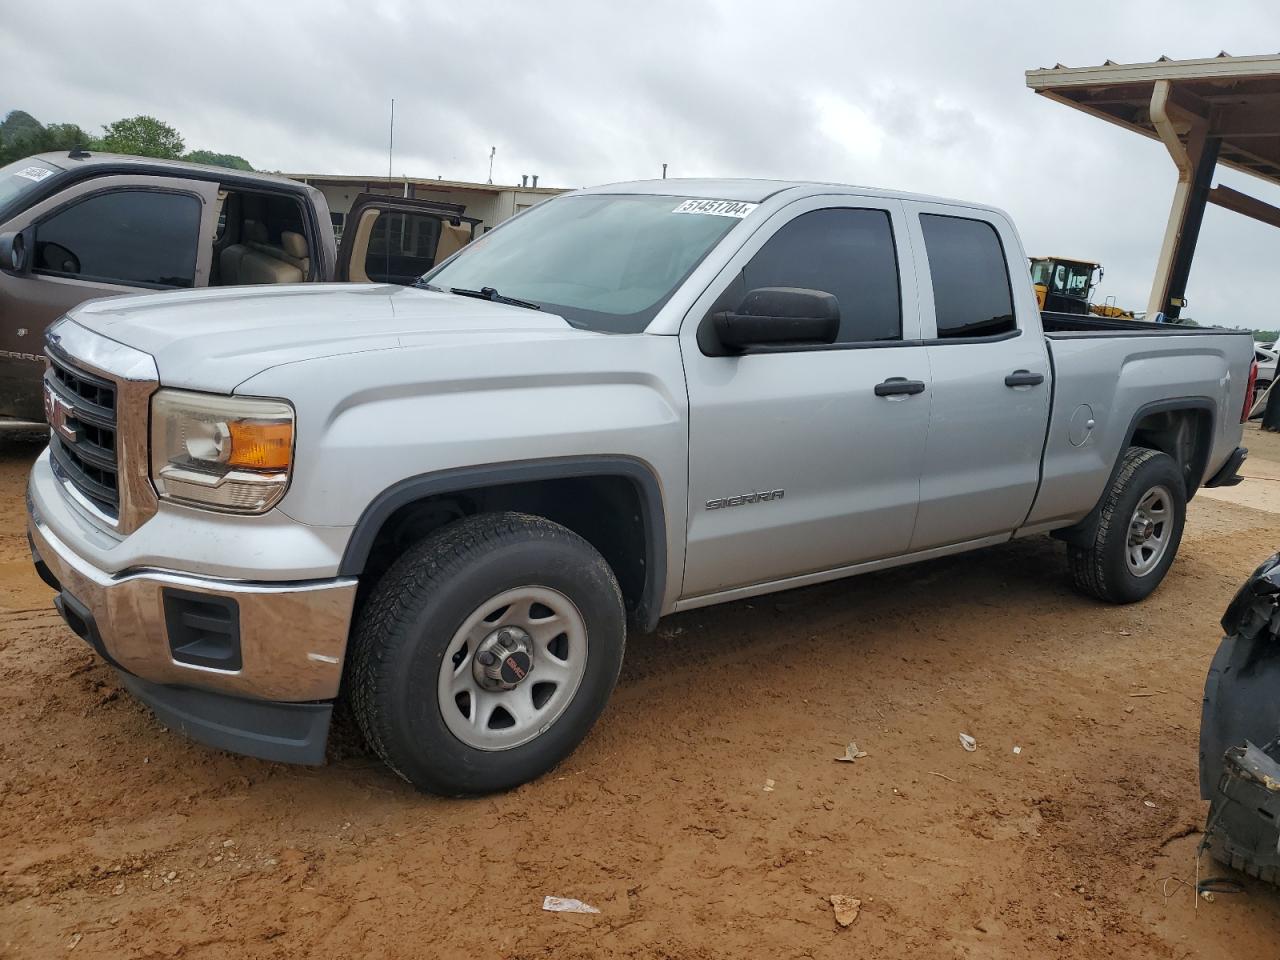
(504, 659)
(1143, 529)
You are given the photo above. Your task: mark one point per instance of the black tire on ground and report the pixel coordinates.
(1100, 569)
(411, 616)
(1256, 856)
(1239, 706)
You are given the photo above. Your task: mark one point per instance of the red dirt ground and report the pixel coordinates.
(124, 840)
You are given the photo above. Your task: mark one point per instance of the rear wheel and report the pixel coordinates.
(485, 654)
(1138, 532)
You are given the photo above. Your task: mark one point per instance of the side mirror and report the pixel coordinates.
(14, 256)
(779, 316)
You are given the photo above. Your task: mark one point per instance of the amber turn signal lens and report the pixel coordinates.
(260, 446)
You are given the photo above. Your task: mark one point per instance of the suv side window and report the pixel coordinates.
(971, 292)
(847, 253)
(134, 237)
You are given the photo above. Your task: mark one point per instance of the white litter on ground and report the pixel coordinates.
(565, 905)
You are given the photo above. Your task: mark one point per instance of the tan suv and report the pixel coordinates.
(78, 226)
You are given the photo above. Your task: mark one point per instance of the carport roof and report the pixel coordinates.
(1239, 96)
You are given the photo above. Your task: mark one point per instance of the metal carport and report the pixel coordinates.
(1223, 109)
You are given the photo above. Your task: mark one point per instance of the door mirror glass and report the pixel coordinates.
(779, 316)
(13, 253)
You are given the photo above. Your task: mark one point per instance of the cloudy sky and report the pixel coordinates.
(922, 95)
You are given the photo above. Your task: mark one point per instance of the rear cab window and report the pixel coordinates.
(972, 294)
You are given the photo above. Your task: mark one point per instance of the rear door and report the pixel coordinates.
(398, 239)
(98, 238)
(798, 464)
(990, 376)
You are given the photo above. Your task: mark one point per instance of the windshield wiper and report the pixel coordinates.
(493, 296)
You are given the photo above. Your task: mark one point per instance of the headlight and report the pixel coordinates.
(229, 453)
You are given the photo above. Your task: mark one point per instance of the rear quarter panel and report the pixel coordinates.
(1109, 378)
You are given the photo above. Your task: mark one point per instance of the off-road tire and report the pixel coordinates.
(1100, 569)
(408, 620)
(1260, 861)
(1240, 836)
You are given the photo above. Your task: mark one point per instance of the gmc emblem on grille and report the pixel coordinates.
(61, 416)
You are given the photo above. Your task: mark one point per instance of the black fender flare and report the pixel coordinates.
(639, 473)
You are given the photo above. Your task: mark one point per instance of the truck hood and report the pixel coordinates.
(217, 339)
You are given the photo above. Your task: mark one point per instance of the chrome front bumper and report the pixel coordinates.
(291, 636)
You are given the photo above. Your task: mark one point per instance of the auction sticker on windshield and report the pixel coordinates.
(716, 208)
(34, 173)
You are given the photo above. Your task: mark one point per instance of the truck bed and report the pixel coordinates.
(1111, 375)
(1064, 325)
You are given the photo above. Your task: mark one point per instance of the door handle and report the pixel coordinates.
(899, 387)
(1023, 378)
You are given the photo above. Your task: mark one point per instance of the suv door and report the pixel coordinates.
(838, 461)
(990, 372)
(398, 239)
(98, 238)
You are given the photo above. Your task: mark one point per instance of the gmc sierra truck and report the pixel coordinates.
(447, 502)
(82, 225)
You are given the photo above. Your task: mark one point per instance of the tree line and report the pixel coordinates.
(22, 135)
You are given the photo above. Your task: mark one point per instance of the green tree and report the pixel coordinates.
(20, 136)
(218, 159)
(66, 136)
(142, 136)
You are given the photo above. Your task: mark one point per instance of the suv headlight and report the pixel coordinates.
(228, 453)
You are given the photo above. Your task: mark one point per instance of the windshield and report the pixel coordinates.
(603, 262)
(20, 178)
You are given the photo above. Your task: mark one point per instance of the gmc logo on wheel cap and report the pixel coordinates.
(515, 667)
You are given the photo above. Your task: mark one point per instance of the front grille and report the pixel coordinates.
(82, 420)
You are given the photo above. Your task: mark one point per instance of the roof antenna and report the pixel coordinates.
(391, 143)
(492, 151)
(78, 152)
(391, 139)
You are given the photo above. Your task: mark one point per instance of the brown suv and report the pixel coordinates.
(78, 226)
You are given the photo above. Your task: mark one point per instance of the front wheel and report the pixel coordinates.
(485, 654)
(1138, 532)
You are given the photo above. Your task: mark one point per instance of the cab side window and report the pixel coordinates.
(846, 253)
(971, 292)
(132, 237)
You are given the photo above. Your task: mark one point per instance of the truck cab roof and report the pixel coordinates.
(758, 191)
(97, 163)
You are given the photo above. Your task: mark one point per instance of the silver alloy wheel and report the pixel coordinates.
(1150, 528)
(512, 668)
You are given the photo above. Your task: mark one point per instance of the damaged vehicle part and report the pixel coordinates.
(1241, 710)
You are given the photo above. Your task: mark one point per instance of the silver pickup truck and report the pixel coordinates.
(446, 503)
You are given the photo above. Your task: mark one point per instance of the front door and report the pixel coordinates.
(798, 463)
(398, 239)
(97, 238)
(990, 373)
